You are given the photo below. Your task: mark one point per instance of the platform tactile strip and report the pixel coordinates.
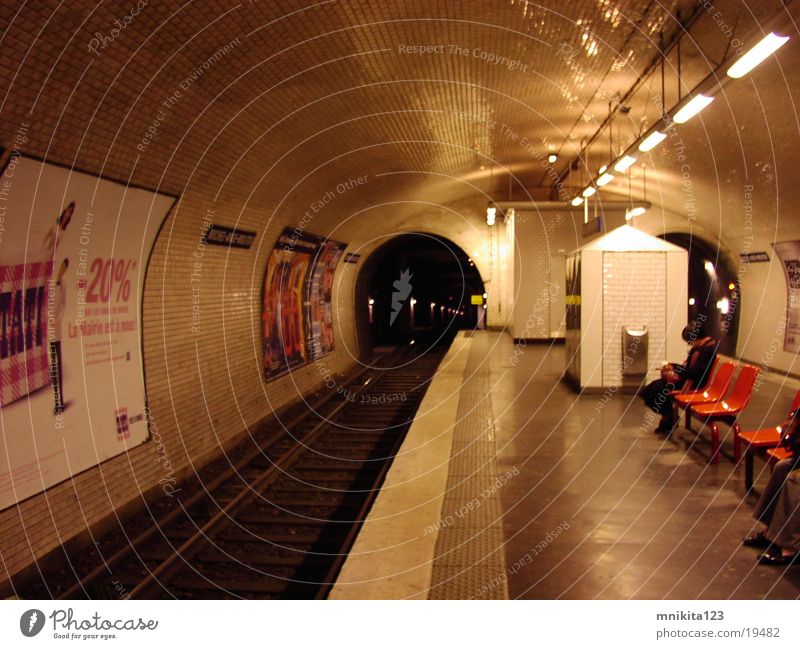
(469, 562)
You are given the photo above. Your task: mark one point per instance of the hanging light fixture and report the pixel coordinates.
(651, 141)
(694, 106)
(624, 163)
(755, 55)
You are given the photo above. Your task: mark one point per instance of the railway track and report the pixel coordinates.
(279, 522)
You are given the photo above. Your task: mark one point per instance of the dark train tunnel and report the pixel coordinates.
(384, 300)
(417, 283)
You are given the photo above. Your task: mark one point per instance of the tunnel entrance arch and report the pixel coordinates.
(714, 292)
(413, 284)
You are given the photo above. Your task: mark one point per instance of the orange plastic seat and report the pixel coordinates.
(727, 410)
(775, 455)
(756, 441)
(714, 391)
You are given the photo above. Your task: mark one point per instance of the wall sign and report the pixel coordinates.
(73, 255)
(220, 235)
(753, 257)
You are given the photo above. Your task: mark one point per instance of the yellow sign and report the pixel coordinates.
(477, 299)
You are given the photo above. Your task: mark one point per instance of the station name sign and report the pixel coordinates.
(753, 257)
(220, 235)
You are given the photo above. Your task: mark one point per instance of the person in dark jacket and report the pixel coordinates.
(674, 376)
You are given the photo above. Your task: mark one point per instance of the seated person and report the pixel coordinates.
(674, 376)
(779, 506)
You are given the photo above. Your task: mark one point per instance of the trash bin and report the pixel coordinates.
(634, 352)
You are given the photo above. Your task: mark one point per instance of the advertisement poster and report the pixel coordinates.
(297, 313)
(320, 303)
(789, 254)
(73, 254)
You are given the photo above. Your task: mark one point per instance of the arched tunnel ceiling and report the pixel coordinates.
(273, 104)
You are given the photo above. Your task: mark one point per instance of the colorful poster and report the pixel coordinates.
(789, 254)
(320, 303)
(73, 254)
(297, 314)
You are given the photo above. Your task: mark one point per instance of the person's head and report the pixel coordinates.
(693, 331)
(668, 372)
(66, 216)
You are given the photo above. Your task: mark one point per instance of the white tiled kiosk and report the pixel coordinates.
(630, 280)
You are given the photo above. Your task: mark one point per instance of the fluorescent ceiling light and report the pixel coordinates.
(624, 163)
(695, 105)
(603, 180)
(634, 211)
(577, 201)
(589, 191)
(756, 55)
(652, 140)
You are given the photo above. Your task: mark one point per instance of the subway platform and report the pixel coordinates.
(511, 485)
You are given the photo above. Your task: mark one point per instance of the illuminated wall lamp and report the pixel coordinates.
(651, 141)
(589, 191)
(603, 180)
(624, 163)
(694, 106)
(755, 55)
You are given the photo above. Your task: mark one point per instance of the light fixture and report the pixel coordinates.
(709, 267)
(602, 169)
(652, 140)
(691, 301)
(723, 305)
(577, 201)
(491, 213)
(603, 180)
(731, 286)
(634, 211)
(552, 158)
(371, 301)
(433, 304)
(624, 163)
(589, 191)
(413, 301)
(485, 295)
(756, 54)
(694, 106)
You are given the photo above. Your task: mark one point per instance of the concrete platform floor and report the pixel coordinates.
(598, 506)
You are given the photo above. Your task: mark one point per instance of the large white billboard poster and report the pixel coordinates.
(73, 256)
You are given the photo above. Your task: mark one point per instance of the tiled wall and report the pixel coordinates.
(634, 292)
(538, 237)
